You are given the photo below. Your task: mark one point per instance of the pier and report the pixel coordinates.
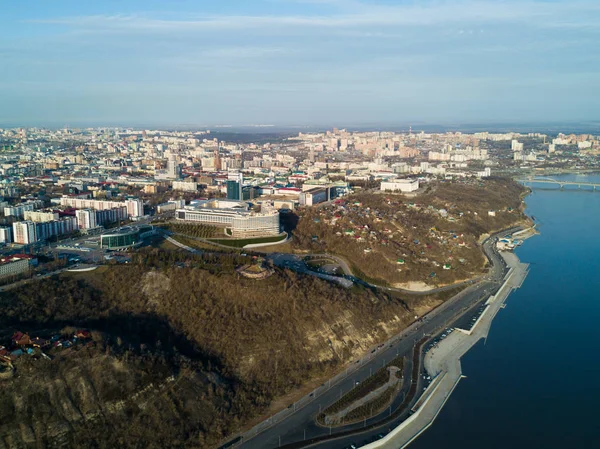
(443, 363)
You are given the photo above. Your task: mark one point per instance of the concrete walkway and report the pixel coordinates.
(443, 363)
(181, 245)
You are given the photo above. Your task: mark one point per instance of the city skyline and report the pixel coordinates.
(303, 62)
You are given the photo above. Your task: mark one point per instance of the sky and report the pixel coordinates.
(298, 62)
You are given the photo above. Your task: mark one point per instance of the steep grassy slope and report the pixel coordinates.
(395, 240)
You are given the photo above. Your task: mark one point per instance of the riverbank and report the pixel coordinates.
(443, 362)
(515, 391)
(286, 428)
(566, 171)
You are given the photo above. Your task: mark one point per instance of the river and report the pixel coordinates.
(535, 382)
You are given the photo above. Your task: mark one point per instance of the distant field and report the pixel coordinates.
(198, 244)
(240, 243)
(190, 229)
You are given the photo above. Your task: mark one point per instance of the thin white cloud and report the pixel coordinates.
(467, 11)
(327, 56)
(240, 52)
(242, 58)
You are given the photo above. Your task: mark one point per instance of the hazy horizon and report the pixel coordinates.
(553, 128)
(316, 63)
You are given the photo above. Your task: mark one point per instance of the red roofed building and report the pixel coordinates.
(20, 339)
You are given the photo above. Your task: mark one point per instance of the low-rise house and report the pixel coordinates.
(20, 339)
(82, 334)
(38, 342)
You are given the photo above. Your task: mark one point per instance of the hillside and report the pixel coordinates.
(429, 239)
(182, 355)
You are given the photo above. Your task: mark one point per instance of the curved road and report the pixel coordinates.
(297, 262)
(297, 427)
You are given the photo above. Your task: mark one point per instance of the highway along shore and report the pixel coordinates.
(430, 351)
(442, 360)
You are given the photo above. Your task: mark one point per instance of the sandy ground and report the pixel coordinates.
(416, 286)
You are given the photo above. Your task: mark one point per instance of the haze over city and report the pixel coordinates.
(299, 224)
(298, 62)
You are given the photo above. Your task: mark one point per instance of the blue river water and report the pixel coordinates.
(535, 382)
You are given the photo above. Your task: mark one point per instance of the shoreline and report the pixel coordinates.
(438, 313)
(443, 362)
(570, 171)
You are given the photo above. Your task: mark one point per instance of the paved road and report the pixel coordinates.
(300, 425)
(297, 263)
(80, 248)
(341, 262)
(36, 278)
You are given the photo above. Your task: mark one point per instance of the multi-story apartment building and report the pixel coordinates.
(24, 232)
(110, 215)
(135, 207)
(186, 186)
(86, 218)
(18, 210)
(40, 216)
(13, 266)
(6, 235)
(49, 229)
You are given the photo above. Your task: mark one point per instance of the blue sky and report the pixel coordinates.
(298, 62)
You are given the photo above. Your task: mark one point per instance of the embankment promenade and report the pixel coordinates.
(443, 362)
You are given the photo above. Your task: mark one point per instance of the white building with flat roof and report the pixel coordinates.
(185, 186)
(235, 216)
(516, 146)
(40, 216)
(13, 266)
(486, 173)
(400, 185)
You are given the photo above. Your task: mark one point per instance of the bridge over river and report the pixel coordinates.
(561, 183)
